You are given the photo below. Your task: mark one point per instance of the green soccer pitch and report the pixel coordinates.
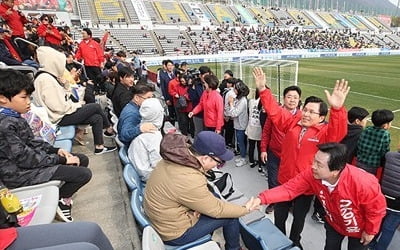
(374, 82)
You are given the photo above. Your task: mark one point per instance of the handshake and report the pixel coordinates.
(253, 204)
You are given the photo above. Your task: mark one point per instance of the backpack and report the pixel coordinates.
(222, 181)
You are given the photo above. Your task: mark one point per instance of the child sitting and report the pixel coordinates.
(25, 160)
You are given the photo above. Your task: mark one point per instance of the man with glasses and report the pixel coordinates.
(129, 126)
(302, 135)
(177, 201)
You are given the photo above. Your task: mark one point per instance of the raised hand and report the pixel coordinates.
(339, 94)
(260, 78)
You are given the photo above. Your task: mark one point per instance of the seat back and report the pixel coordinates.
(137, 209)
(123, 155)
(132, 178)
(151, 240)
(263, 235)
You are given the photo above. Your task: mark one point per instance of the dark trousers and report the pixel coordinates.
(252, 146)
(319, 208)
(301, 205)
(229, 133)
(334, 240)
(56, 235)
(272, 168)
(207, 225)
(89, 114)
(94, 74)
(74, 177)
(185, 123)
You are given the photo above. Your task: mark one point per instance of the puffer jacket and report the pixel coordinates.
(177, 188)
(49, 92)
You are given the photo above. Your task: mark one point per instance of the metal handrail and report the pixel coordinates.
(26, 41)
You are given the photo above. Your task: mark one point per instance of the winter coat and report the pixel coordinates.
(177, 187)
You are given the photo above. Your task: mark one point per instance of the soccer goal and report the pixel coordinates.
(280, 73)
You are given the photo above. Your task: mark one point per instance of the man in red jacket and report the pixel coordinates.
(299, 145)
(351, 197)
(93, 56)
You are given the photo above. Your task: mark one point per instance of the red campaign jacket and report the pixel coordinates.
(7, 236)
(54, 38)
(213, 106)
(174, 87)
(355, 205)
(90, 52)
(272, 137)
(15, 21)
(297, 155)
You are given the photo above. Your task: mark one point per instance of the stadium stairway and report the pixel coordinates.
(105, 199)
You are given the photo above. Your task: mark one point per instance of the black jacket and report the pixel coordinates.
(24, 160)
(120, 97)
(351, 139)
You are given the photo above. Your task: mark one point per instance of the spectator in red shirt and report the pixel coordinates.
(48, 32)
(272, 137)
(93, 57)
(212, 104)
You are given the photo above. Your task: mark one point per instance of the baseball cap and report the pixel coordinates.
(213, 144)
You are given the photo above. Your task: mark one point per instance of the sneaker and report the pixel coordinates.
(241, 163)
(238, 160)
(317, 218)
(98, 151)
(269, 209)
(108, 134)
(236, 153)
(64, 211)
(254, 164)
(260, 169)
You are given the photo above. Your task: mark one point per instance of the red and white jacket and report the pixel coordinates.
(297, 155)
(91, 53)
(355, 205)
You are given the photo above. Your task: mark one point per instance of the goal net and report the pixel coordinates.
(280, 73)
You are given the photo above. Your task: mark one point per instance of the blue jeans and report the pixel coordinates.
(272, 169)
(389, 226)
(207, 225)
(241, 140)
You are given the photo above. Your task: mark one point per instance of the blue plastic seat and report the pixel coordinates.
(132, 179)
(123, 155)
(264, 235)
(65, 133)
(143, 221)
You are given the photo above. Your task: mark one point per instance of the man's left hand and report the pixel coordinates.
(366, 238)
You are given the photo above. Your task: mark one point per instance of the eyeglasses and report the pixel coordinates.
(219, 162)
(311, 112)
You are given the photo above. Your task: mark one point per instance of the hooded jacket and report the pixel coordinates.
(144, 150)
(49, 92)
(178, 187)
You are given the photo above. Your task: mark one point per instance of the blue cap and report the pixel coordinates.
(211, 143)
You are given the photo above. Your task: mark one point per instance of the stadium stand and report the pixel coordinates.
(301, 19)
(84, 10)
(378, 24)
(188, 10)
(127, 4)
(108, 11)
(205, 41)
(173, 42)
(328, 18)
(245, 15)
(283, 16)
(359, 25)
(221, 13)
(171, 12)
(140, 40)
(155, 17)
